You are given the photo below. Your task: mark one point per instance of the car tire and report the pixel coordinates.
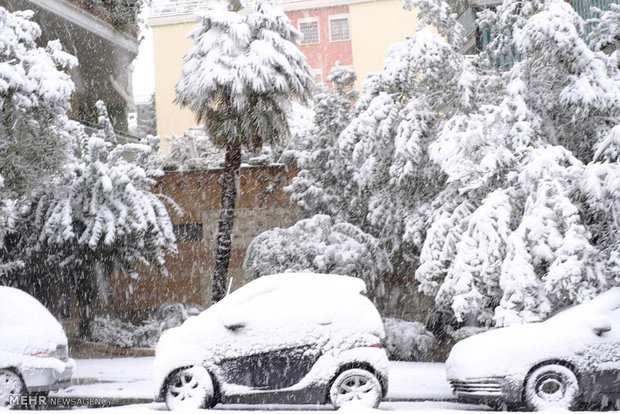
(11, 385)
(551, 386)
(189, 388)
(357, 385)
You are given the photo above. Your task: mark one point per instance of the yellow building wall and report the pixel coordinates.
(374, 27)
(170, 43)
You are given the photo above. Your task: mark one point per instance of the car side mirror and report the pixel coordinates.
(600, 325)
(233, 320)
(233, 326)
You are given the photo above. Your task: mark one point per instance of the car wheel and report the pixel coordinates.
(551, 386)
(11, 387)
(355, 385)
(189, 388)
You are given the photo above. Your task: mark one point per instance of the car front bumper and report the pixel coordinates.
(48, 379)
(494, 391)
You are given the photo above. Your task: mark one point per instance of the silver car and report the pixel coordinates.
(571, 359)
(34, 358)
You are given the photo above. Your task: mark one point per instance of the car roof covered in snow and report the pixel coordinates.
(302, 283)
(605, 302)
(26, 325)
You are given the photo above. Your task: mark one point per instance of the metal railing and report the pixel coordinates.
(160, 8)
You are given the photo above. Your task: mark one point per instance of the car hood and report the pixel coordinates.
(514, 350)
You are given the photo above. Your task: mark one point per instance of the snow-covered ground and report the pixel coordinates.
(414, 387)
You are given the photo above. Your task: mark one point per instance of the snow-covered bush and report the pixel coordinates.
(115, 331)
(319, 245)
(466, 332)
(406, 341)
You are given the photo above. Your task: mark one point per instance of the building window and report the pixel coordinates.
(338, 28)
(188, 232)
(309, 28)
(318, 75)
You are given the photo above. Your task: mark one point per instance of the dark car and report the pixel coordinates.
(571, 359)
(288, 338)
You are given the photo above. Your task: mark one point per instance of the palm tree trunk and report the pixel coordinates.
(230, 176)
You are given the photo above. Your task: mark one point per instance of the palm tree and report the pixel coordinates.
(240, 78)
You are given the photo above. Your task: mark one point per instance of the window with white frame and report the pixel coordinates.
(309, 28)
(339, 28)
(318, 75)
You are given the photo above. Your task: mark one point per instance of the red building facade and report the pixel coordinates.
(327, 37)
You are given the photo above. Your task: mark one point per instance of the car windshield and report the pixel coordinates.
(606, 302)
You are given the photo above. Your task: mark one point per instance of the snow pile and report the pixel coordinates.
(406, 341)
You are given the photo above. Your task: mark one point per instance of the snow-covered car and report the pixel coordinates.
(34, 353)
(571, 359)
(286, 338)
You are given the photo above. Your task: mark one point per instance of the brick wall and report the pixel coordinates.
(261, 205)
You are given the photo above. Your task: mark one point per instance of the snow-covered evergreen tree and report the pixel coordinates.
(492, 174)
(530, 139)
(102, 217)
(606, 31)
(321, 185)
(35, 133)
(240, 78)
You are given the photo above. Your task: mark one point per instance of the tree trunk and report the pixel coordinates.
(85, 291)
(230, 176)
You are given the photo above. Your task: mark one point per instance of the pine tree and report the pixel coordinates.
(322, 167)
(239, 78)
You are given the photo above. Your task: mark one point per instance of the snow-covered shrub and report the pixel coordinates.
(406, 341)
(466, 332)
(319, 245)
(115, 331)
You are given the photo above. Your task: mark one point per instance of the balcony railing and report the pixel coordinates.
(122, 15)
(160, 8)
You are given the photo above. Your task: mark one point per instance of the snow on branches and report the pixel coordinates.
(241, 73)
(494, 175)
(34, 99)
(107, 202)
